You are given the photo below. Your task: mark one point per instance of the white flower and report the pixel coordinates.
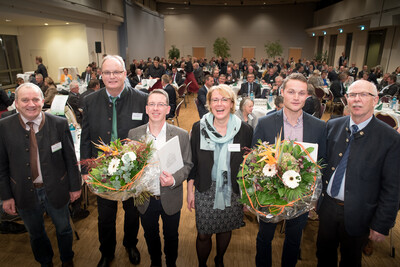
(128, 157)
(291, 179)
(269, 170)
(112, 167)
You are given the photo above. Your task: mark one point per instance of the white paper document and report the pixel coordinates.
(58, 104)
(314, 154)
(170, 156)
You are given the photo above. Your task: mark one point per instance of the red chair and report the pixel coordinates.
(386, 99)
(388, 119)
(320, 93)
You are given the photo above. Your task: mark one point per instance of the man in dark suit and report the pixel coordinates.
(337, 87)
(332, 74)
(86, 75)
(295, 125)
(363, 71)
(74, 100)
(136, 78)
(39, 171)
(167, 200)
(353, 70)
(392, 88)
(250, 86)
(176, 76)
(165, 82)
(198, 73)
(360, 195)
(202, 95)
(269, 77)
(93, 86)
(109, 114)
(41, 68)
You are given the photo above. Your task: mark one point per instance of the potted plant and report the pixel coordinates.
(273, 49)
(221, 47)
(174, 52)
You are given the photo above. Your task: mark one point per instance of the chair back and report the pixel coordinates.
(178, 109)
(323, 108)
(319, 92)
(388, 119)
(344, 100)
(386, 99)
(187, 86)
(181, 90)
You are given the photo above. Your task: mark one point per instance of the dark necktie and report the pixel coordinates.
(33, 150)
(114, 131)
(341, 168)
(250, 89)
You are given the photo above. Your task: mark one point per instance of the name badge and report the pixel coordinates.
(234, 147)
(137, 116)
(56, 147)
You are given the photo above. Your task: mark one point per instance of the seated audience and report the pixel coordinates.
(93, 86)
(74, 100)
(50, 93)
(176, 76)
(312, 105)
(165, 82)
(250, 86)
(392, 88)
(245, 112)
(278, 104)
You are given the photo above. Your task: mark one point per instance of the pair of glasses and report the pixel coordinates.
(159, 105)
(115, 73)
(362, 95)
(217, 100)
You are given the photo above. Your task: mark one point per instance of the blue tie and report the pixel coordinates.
(341, 168)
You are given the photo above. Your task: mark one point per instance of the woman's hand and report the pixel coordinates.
(190, 195)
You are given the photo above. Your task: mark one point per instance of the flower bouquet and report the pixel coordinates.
(280, 181)
(123, 170)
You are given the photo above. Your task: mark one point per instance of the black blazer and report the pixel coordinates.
(391, 90)
(202, 97)
(172, 100)
(204, 160)
(337, 90)
(59, 167)
(270, 126)
(134, 80)
(371, 190)
(178, 78)
(97, 118)
(256, 89)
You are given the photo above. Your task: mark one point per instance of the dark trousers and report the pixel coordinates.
(152, 234)
(106, 224)
(34, 223)
(332, 232)
(291, 246)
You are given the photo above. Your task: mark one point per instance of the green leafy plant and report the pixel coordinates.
(320, 57)
(222, 47)
(273, 49)
(174, 52)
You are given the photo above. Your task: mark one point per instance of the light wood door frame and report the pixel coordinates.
(296, 53)
(248, 52)
(199, 52)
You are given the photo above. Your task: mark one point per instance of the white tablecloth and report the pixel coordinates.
(25, 75)
(82, 87)
(260, 108)
(146, 84)
(71, 70)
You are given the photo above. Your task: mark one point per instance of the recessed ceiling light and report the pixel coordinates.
(8, 20)
(225, 3)
(264, 3)
(362, 27)
(340, 30)
(313, 34)
(324, 32)
(46, 24)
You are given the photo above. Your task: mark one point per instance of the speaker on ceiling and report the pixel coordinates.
(98, 47)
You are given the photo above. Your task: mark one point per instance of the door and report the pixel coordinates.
(199, 52)
(248, 52)
(295, 53)
(376, 40)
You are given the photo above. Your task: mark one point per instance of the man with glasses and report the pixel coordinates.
(250, 86)
(109, 114)
(167, 201)
(293, 124)
(360, 196)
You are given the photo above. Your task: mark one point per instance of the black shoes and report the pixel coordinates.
(12, 228)
(105, 261)
(134, 255)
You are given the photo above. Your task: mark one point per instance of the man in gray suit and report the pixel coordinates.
(167, 202)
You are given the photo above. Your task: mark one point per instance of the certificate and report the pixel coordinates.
(170, 156)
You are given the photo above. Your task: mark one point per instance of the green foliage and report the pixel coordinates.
(273, 49)
(222, 47)
(174, 52)
(320, 57)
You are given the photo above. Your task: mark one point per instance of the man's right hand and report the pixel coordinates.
(9, 206)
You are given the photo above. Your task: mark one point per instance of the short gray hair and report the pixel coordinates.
(30, 85)
(73, 84)
(116, 57)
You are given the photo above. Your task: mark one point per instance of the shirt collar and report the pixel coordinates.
(37, 120)
(162, 132)
(118, 96)
(361, 125)
(299, 119)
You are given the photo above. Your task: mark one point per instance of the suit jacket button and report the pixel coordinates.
(347, 140)
(108, 132)
(26, 149)
(361, 133)
(340, 154)
(323, 194)
(31, 190)
(333, 168)
(29, 178)
(27, 164)
(109, 119)
(326, 182)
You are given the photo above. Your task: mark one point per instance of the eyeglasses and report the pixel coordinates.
(362, 95)
(159, 105)
(115, 73)
(217, 100)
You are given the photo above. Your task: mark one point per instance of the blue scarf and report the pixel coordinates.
(211, 140)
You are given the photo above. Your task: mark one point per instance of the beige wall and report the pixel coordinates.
(108, 38)
(243, 27)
